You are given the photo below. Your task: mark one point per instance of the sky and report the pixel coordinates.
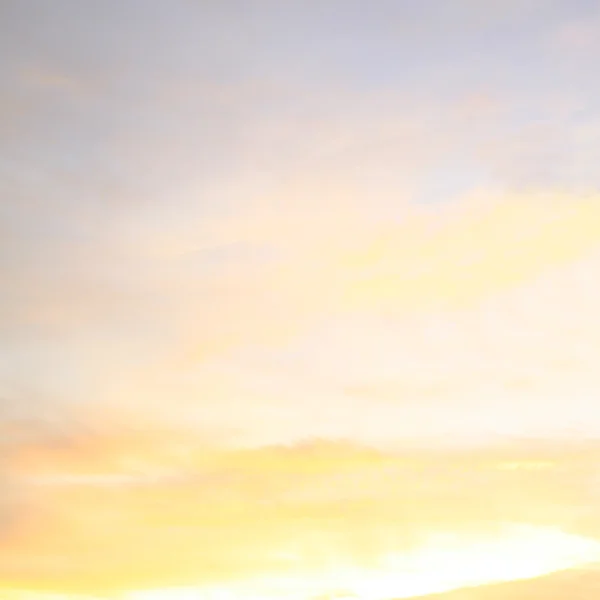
(257, 253)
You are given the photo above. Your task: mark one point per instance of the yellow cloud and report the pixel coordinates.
(430, 265)
(217, 517)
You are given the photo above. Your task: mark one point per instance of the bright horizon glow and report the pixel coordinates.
(446, 562)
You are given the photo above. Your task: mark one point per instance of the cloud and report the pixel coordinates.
(114, 487)
(213, 328)
(212, 516)
(219, 243)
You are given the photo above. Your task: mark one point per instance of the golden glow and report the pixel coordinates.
(445, 562)
(119, 513)
(526, 465)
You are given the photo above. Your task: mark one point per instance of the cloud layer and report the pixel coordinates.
(255, 255)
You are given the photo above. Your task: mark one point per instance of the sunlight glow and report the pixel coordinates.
(445, 562)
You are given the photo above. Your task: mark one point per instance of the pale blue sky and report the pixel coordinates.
(85, 80)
